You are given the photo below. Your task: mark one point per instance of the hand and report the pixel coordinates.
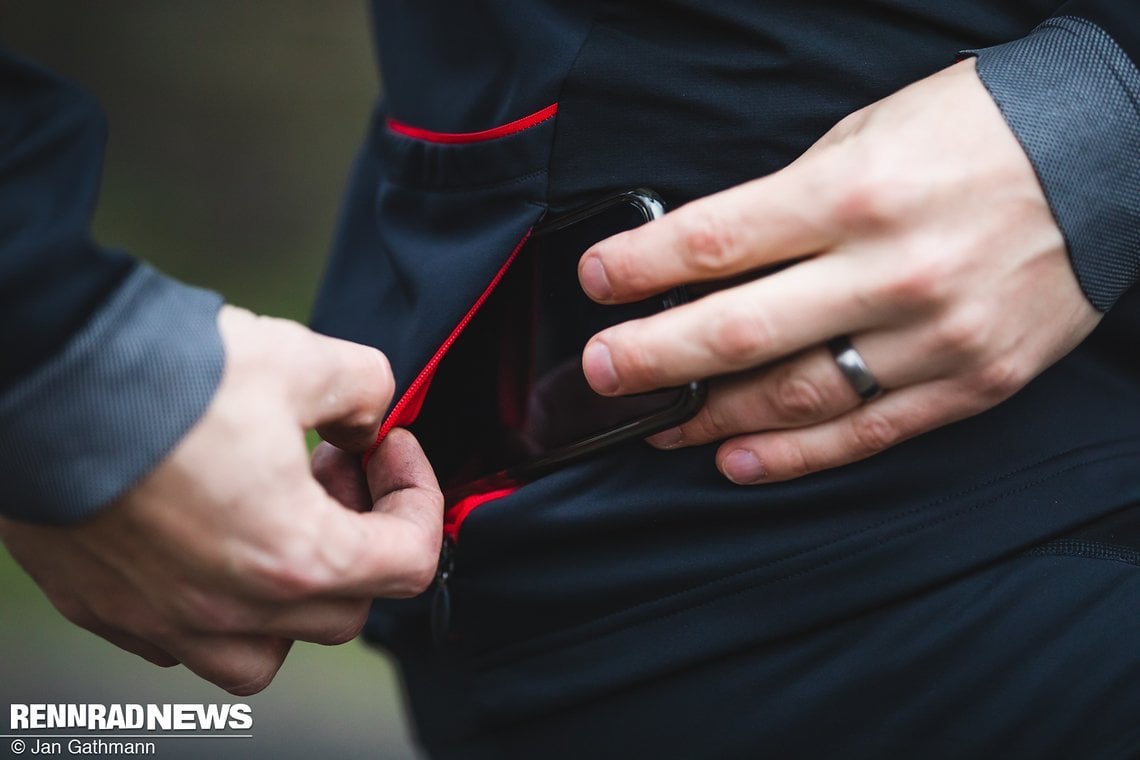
(230, 549)
(916, 226)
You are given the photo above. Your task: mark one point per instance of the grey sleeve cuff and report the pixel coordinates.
(91, 422)
(1072, 97)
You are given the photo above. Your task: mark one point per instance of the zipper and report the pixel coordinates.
(408, 407)
(441, 593)
(405, 411)
(445, 570)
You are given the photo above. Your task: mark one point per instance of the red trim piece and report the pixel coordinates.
(408, 407)
(465, 506)
(459, 138)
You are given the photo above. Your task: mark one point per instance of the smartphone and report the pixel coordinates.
(548, 414)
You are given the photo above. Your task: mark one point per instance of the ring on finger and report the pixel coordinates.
(854, 368)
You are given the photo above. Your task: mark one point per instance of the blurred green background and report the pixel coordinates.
(232, 127)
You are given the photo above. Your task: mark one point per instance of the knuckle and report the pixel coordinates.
(872, 202)
(921, 280)
(255, 670)
(963, 333)
(76, 612)
(633, 360)
(248, 688)
(292, 573)
(250, 681)
(283, 331)
(203, 611)
(293, 583)
(790, 458)
(324, 462)
(1000, 379)
(874, 432)
(626, 272)
(735, 339)
(711, 423)
(363, 420)
(796, 398)
(708, 244)
(349, 628)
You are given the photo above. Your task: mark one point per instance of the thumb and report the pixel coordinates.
(345, 389)
(339, 387)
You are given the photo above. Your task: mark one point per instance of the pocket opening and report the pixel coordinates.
(408, 407)
(463, 138)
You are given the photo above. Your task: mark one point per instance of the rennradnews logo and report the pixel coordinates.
(119, 717)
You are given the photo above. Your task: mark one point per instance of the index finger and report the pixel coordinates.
(761, 223)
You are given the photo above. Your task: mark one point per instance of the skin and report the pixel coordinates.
(233, 547)
(916, 226)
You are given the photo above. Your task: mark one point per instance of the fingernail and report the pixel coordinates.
(598, 366)
(743, 467)
(666, 439)
(594, 279)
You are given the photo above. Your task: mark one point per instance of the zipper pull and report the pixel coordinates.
(441, 598)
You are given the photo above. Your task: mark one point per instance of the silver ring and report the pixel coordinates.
(853, 367)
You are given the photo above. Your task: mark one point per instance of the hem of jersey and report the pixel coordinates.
(1071, 95)
(97, 417)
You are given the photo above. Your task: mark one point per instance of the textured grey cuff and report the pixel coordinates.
(92, 421)
(1072, 97)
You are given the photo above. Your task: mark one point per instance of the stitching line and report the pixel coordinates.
(1094, 550)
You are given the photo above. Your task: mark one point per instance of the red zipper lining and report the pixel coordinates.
(458, 512)
(408, 407)
(460, 138)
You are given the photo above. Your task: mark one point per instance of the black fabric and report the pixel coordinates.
(691, 98)
(52, 277)
(1116, 537)
(470, 66)
(966, 669)
(1116, 17)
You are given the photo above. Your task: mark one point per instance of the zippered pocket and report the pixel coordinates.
(407, 409)
(442, 432)
(432, 226)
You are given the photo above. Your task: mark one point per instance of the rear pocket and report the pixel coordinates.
(1115, 538)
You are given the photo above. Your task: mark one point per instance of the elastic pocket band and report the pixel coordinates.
(461, 138)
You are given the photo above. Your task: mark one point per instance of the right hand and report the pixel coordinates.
(231, 549)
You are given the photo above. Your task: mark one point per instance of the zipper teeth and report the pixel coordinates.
(437, 357)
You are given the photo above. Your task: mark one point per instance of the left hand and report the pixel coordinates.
(916, 227)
